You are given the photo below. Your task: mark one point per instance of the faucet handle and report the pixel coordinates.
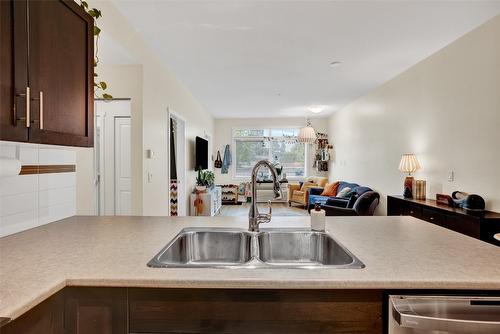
(265, 217)
(270, 209)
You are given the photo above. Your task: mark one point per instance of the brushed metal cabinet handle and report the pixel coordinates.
(28, 107)
(27, 98)
(404, 314)
(41, 109)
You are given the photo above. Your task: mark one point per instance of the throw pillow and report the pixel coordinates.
(344, 192)
(305, 184)
(330, 189)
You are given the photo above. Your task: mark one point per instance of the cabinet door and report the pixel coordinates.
(61, 73)
(46, 318)
(13, 70)
(395, 207)
(95, 311)
(464, 224)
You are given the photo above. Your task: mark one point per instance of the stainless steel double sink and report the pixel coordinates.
(269, 248)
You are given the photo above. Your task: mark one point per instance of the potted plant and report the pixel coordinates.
(204, 180)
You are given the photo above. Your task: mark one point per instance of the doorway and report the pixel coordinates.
(113, 157)
(177, 166)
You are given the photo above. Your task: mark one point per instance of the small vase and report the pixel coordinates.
(201, 188)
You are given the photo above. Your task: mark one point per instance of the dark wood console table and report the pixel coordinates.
(481, 226)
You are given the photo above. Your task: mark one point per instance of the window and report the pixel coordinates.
(279, 146)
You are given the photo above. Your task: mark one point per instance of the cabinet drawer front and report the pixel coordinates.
(434, 216)
(254, 311)
(413, 210)
(466, 225)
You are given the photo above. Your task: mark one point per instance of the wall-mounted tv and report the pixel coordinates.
(201, 148)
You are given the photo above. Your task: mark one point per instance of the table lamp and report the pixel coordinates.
(409, 164)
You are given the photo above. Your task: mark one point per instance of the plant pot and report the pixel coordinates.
(201, 188)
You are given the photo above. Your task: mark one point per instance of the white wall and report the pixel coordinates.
(28, 201)
(445, 109)
(160, 89)
(125, 81)
(223, 136)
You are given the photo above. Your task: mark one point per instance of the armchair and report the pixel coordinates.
(364, 205)
(299, 194)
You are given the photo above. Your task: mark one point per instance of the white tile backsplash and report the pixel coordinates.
(18, 203)
(56, 212)
(28, 201)
(18, 222)
(28, 155)
(18, 184)
(56, 155)
(56, 196)
(56, 180)
(8, 151)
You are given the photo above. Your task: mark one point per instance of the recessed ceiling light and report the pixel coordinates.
(335, 63)
(316, 109)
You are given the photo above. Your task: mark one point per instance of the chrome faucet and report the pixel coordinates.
(254, 217)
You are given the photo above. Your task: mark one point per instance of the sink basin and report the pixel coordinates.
(303, 248)
(238, 248)
(205, 248)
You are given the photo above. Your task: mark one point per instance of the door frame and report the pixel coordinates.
(181, 206)
(100, 185)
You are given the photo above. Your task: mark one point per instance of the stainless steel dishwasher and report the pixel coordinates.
(414, 314)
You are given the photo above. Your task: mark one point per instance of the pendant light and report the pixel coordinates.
(307, 134)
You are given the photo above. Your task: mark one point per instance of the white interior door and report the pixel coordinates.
(123, 175)
(113, 157)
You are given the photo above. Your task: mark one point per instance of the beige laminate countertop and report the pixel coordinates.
(399, 253)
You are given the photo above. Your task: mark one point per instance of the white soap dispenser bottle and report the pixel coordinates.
(317, 218)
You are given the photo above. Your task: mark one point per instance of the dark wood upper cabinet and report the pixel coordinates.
(13, 70)
(48, 47)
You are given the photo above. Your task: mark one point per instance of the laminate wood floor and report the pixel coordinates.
(279, 209)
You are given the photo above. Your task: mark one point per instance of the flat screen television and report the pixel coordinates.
(201, 148)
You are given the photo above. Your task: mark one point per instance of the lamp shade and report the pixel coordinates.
(409, 163)
(307, 134)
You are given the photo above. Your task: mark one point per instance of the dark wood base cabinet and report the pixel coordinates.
(95, 310)
(255, 311)
(480, 226)
(85, 310)
(47, 317)
(122, 310)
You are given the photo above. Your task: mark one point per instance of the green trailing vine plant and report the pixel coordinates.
(98, 84)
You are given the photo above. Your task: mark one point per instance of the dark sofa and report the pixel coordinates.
(362, 203)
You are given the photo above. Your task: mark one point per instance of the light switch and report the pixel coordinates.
(451, 176)
(150, 177)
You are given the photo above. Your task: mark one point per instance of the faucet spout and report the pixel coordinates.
(254, 217)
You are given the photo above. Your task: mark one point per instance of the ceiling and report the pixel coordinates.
(272, 58)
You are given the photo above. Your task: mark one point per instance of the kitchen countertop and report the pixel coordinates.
(399, 253)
